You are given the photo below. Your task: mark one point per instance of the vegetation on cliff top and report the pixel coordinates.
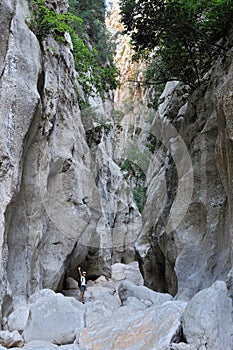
(181, 38)
(93, 60)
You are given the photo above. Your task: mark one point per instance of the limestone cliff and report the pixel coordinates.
(64, 201)
(197, 249)
(186, 241)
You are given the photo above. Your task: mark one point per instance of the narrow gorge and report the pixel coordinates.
(128, 177)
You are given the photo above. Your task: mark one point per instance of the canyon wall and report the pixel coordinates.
(186, 245)
(186, 240)
(64, 201)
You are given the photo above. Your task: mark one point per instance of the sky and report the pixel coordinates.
(108, 3)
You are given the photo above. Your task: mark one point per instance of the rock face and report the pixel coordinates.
(196, 249)
(64, 201)
(186, 240)
(213, 327)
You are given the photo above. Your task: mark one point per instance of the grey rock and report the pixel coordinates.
(192, 256)
(182, 346)
(42, 293)
(207, 320)
(127, 271)
(127, 289)
(43, 345)
(229, 283)
(39, 344)
(71, 283)
(151, 329)
(17, 320)
(136, 303)
(55, 319)
(62, 198)
(11, 339)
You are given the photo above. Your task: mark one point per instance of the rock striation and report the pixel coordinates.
(64, 200)
(196, 249)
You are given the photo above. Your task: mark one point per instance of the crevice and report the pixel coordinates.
(8, 32)
(40, 85)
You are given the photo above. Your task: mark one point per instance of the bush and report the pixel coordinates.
(95, 79)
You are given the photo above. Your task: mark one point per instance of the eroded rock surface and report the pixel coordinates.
(186, 249)
(63, 198)
(205, 322)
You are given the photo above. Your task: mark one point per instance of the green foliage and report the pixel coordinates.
(92, 13)
(154, 74)
(94, 77)
(139, 193)
(117, 115)
(132, 170)
(182, 34)
(104, 73)
(45, 21)
(152, 142)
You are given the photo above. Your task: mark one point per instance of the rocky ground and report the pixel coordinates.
(120, 313)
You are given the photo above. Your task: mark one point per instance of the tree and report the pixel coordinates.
(104, 74)
(95, 74)
(182, 34)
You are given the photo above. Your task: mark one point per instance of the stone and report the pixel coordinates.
(150, 329)
(99, 310)
(127, 271)
(49, 166)
(10, 339)
(229, 283)
(17, 320)
(39, 344)
(42, 293)
(182, 346)
(56, 319)
(71, 283)
(192, 256)
(43, 345)
(70, 347)
(127, 289)
(136, 303)
(207, 319)
(102, 293)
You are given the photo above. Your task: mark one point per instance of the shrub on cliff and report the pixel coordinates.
(183, 35)
(95, 78)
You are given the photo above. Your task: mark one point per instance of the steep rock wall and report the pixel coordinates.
(186, 240)
(63, 201)
(198, 249)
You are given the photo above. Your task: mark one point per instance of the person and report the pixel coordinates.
(83, 284)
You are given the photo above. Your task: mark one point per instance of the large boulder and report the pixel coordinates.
(130, 272)
(127, 289)
(154, 328)
(207, 321)
(56, 319)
